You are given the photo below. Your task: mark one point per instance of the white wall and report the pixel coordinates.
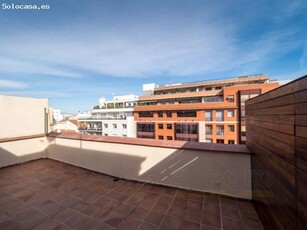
(119, 131)
(202, 131)
(224, 173)
(15, 152)
(218, 172)
(131, 127)
(20, 116)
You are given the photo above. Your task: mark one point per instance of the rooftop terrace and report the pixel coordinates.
(47, 194)
(86, 182)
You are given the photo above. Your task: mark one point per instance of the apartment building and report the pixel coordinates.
(110, 118)
(209, 111)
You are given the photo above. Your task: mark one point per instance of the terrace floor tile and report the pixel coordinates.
(47, 194)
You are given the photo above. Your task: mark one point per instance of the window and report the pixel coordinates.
(146, 114)
(106, 134)
(208, 140)
(186, 139)
(187, 128)
(169, 126)
(160, 114)
(160, 126)
(190, 101)
(212, 99)
(169, 114)
(209, 129)
(231, 142)
(145, 136)
(208, 115)
(115, 126)
(219, 115)
(106, 126)
(218, 87)
(220, 130)
(186, 114)
(160, 137)
(220, 141)
(208, 88)
(231, 113)
(169, 138)
(231, 128)
(124, 135)
(230, 98)
(145, 127)
(124, 126)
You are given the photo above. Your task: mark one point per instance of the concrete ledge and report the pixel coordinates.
(2, 140)
(158, 143)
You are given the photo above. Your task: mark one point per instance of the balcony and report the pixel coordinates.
(90, 129)
(72, 181)
(136, 188)
(102, 118)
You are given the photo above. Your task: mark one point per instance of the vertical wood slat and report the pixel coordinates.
(266, 117)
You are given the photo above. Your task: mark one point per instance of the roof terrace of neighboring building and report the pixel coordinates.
(198, 86)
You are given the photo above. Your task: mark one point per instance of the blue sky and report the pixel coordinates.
(80, 50)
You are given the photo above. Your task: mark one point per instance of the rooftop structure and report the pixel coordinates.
(209, 111)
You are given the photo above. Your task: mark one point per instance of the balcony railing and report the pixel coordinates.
(103, 118)
(90, 129)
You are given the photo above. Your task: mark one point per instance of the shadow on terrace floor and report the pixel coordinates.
(47, 194)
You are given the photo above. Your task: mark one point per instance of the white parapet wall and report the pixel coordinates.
(207, 171)
(19, 151)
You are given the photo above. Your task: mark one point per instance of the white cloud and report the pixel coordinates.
(180, 46)
(20, 66)
(12, 84)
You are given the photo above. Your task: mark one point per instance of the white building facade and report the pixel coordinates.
(57, 116)
(113, 118)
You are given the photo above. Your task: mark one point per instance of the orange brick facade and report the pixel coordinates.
(167, 121)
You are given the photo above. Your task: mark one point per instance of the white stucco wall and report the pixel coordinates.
(217, 172)
(15, 152)
(20, 116)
